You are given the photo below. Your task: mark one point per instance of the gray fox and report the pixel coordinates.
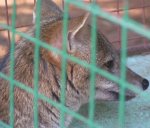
(78, 77)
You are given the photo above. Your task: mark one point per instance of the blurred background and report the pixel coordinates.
(138, 10)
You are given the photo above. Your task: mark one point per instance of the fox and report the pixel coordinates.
(77, 76)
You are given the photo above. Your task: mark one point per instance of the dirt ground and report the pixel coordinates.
(111, 31)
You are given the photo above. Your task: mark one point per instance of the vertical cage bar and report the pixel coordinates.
(63, 3)
(118, 13)
(143, 17)
(12, 65)
(36, 63)
(93, 62)
(7, 18)
(64, 63)
(34, 2)
(123, 68)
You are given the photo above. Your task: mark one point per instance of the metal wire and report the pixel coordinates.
(126, 23)
(132, 50)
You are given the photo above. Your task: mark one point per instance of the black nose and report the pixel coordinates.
(145, 84)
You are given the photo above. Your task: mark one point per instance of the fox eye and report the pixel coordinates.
(109, 64)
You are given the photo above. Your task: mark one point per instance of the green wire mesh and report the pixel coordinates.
(126, 23)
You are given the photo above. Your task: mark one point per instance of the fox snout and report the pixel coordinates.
(111, 91)
(137, 81)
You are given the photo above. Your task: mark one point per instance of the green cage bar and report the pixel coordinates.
(12, 63)
(123, 68)
(36, 63)
(63, 64)
(96, 12)
(93, 63)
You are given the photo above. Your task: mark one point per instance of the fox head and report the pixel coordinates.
(79, 45)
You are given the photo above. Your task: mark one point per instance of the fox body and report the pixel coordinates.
(78, 77)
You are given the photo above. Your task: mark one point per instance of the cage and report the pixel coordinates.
(138, 10)
(110, 21)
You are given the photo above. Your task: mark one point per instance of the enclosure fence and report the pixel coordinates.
(126, 24)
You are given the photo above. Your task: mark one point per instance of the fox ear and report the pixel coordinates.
(75, 25)
(56, 36)
(52, 34)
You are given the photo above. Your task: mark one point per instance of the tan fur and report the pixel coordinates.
(78, 77)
